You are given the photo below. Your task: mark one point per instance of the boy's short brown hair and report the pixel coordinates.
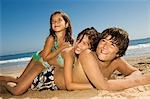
(119, 37)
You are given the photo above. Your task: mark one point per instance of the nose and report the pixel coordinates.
(105, 45)
(55, 22)
(79, 44)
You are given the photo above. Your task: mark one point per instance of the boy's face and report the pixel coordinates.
(106, 49)
(58, 23)
(82, 45)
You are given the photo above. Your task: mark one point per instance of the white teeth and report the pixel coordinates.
(78, 48)
(104, 52)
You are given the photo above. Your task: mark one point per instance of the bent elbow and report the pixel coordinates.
(18, 91)
(105, 86)
(69, 87)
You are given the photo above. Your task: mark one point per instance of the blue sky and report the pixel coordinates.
(24, 24)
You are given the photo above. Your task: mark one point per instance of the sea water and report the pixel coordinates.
(136, 47)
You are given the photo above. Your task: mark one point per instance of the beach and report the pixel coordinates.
(142, 62)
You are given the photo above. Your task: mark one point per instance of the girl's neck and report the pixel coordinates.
(60, 35)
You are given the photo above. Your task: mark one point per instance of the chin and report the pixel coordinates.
(101, 58)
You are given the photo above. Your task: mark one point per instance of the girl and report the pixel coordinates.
(50, 57)
(75, 77)
(60, 37)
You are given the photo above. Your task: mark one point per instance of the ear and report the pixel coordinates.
(67, 24)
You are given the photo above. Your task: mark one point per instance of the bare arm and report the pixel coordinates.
(91, 68)
(128, 83)
(68, 67)
(127, 69)
(46, 52)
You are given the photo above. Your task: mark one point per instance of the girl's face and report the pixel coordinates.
(82, 45)
(58, 23)
(106, 49)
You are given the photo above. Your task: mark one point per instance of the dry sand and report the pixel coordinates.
(139, 92)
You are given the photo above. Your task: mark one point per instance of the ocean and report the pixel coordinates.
(136, 47)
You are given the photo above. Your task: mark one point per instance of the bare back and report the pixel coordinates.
(59, 78)
(78, 73)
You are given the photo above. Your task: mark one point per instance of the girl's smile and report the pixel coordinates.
(58, 23)
(82, 44)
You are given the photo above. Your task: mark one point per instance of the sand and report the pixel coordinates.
(139, 92)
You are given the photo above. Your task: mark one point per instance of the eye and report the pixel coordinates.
(83, 43)
(59, 20)
(113, 45)
(53, 22)
(102, 40)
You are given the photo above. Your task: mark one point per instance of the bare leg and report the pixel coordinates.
(27, 69)
(12, 79)
(26, 81)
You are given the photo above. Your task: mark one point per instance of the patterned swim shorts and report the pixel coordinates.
(45, 80)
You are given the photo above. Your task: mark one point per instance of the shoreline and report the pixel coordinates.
(141, 62)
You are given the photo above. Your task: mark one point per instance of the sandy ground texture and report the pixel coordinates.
(139, 92)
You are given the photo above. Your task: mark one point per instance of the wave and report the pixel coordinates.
(132, 49)
(25, 59)
(139, 46)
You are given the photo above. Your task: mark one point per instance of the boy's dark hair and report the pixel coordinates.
(68, 35)
(93, 37)
(118, 37)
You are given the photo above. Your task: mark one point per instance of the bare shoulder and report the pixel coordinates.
(69, 50)
(50, 38)
(119, 60)
(48, 43)
(87, 54)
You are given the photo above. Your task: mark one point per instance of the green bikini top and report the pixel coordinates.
(60, 59)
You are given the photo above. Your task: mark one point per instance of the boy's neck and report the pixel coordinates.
(104, 64)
